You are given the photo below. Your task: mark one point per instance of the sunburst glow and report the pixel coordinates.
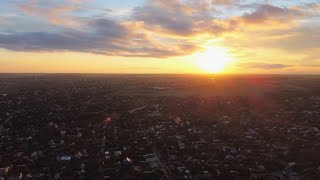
(213, 59)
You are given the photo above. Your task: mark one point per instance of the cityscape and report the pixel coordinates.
(93, 127)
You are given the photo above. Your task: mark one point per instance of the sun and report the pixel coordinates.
(213, 59)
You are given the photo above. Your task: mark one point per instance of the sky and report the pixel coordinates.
(160, 36)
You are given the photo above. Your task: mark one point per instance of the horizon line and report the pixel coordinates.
(79, 73)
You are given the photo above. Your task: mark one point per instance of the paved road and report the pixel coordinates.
(154, 149)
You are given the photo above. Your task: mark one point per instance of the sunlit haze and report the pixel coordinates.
(213, 59)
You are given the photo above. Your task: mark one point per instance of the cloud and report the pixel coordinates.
(57, 12)
(190, 17)
(265, 66)
(295, 40)
(303, 39)
(315, 7)
(170, 16)
(103, 36)
(268, 12)
(159, 28)
(183, 18)
(313, 58)
(222, 2)
(2, 19)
